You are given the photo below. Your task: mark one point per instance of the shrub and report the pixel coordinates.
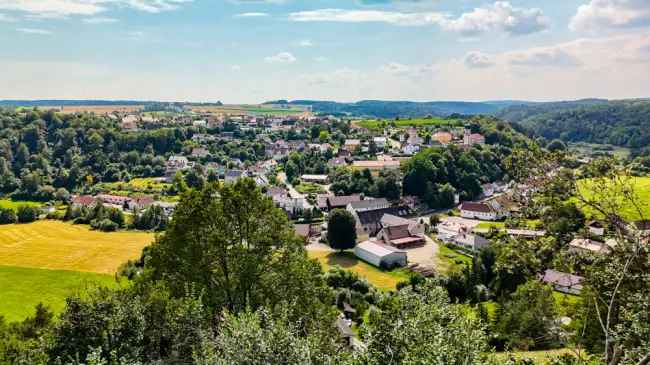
(27, 214)
(7, 216)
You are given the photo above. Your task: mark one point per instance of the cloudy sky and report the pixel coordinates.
(346, 50)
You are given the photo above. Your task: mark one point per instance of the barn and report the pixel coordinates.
(380, 255)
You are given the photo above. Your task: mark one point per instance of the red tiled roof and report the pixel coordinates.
(476, 207)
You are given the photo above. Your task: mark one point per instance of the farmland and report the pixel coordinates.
(97, 109)
(641, 186)
(57, 245)
(14, 204)
(375, 124)
(247, 110)
(23, 288)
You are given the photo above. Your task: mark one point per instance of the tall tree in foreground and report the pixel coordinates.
(419, 326)
(341, 230)
(232, 244)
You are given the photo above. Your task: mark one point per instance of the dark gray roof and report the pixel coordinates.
(374, 216)
(369, 203)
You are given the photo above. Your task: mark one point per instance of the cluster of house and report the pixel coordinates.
(121, 202)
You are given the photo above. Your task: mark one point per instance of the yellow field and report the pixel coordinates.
(57, 245)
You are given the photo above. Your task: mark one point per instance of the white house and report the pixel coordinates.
(411, 149)
(584, 245)
(482, 211)
(380, 255)
(380, 142)
(471, 241)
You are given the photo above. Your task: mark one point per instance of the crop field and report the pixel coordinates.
(590, 149)
(97, 109)
(57, 245)
(23, 288)
(14, 204)
(641, 187)
(375, 124)
(384, 280)
(247, 110)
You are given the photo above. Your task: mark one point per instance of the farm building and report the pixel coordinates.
(380, 255)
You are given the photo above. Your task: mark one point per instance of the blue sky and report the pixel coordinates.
(256, 50)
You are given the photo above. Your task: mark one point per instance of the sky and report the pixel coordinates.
(250, 51)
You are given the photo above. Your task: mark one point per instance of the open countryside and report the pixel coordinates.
(63, 246)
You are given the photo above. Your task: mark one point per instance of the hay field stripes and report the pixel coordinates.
(59, 245)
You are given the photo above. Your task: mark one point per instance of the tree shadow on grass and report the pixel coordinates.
(343, 259)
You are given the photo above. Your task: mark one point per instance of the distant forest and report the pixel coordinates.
(622, 123)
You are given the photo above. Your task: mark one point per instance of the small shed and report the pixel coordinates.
(380, 255)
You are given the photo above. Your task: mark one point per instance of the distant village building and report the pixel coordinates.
(563, 282)
(341, 202)
(585, 245)
(337, 162)
(380, 142)
(443, 138)
(317, 179)
(596, 228)
(376, 166)
(352, 144)
(200, 152)
(233, 175)
(470, 139)
(470, 241)
(400, 232)
(478, 210)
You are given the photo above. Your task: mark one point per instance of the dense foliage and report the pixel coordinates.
(620, 123)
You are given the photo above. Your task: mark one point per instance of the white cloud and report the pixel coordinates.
(477, 59)
(282, 57)
(305, 43)
(365, 16)
(100, 20)
(63, 8)
(604, 14)
(235, 68)
(500, 16)
(251, 15)
(36, 31)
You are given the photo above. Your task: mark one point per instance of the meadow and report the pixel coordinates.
(383, 280)
(248, 110)
(375, 124)
(23, 288)
(50, 244)
(14, 204)
(641, 186)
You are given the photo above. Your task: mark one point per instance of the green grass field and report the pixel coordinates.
(449, 260)
(590, 149)
(538, 357)
(375, 124)
(309, 188)
(23, 288)
(641, 187)
(384, 280)
(14, 204)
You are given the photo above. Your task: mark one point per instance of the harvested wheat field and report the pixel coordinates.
(52, 244)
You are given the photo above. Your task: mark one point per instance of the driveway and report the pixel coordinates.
(469, 223)
(424, 255)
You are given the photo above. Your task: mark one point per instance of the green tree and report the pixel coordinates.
(341, 230)
(27, 214)
(419, 326)
(7, 216)
(234, 245)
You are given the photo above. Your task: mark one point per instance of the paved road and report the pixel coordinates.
(293, 192)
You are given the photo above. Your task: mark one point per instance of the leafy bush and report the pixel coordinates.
(27, 214)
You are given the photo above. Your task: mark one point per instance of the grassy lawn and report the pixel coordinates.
(49, 244)
(488, 225)
(641, 188)
(538, 357)
(450, 260)
(403, 123)
(589, 149)
(134, 187)
(384, 280)
(14, 204)
(24, 288)
(309, 188)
